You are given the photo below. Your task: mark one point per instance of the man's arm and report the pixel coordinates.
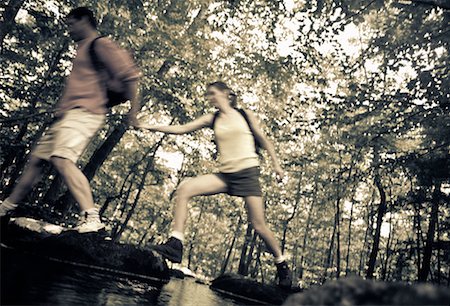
(120, 64)
(135, 102)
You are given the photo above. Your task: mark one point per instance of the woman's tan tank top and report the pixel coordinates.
(235, 143)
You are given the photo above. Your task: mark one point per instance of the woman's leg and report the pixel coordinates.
(202, 185)
(255, 209)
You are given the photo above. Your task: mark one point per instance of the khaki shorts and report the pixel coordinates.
(69, 136)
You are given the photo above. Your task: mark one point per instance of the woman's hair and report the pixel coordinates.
(222, 86)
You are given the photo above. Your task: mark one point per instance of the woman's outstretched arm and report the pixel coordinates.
(194, 125)
(265, 143)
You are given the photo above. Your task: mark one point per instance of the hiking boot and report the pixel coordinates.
(171, 250)
(89, 223)
(7, 208)
(284, 275)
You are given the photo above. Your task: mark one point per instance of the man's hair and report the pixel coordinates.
(81, 12)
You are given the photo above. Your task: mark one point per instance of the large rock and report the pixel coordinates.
(357, 291)
(89, 250)
(248, 289)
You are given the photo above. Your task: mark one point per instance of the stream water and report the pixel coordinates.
(39, 282)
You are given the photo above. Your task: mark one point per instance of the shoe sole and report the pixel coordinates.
(167, 256)
(91, 231)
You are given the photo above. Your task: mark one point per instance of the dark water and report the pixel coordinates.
(29, 281)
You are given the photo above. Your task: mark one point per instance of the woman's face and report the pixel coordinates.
(216, 96)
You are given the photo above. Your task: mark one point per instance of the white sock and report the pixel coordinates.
(91, 212)
(7, 205)
(279, 259)
(178, 235)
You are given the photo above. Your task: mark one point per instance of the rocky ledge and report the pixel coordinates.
(90, 250)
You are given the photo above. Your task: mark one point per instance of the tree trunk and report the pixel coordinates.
(384, 271)
(376, 239)
(248, 237)
(194, 236)
(102, 152)
(338, 232)
(349, 239)
(230, 249)
(248, 261)
(254, 273)
(148, 168)
(308, 224)
(294, 211)
(330, 249)
(418, 230)
(8, 17)
(426, 262)
(369, 230)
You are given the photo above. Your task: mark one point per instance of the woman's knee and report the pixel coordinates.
(259, 226)
(183, 190)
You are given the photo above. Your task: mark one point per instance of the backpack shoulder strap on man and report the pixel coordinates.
(96, 62)
(244, 114)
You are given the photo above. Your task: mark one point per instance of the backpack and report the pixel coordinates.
(114, 92)
(258, 145)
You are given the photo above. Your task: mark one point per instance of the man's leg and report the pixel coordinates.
(79, 187)
(30, 176)
(75, 180)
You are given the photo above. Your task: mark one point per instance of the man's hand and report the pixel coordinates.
(57, 114)
(132, 120)
(279, 172)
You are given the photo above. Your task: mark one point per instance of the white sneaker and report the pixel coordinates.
(6, 208)
(90, 224)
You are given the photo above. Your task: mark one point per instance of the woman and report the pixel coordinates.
(236, 134)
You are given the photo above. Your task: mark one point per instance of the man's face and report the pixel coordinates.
(75, 28)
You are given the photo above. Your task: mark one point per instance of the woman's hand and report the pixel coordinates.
(279, 172)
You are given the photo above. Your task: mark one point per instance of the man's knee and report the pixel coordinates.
(61, 164)
(36, 162)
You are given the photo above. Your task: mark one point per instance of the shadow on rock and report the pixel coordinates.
(247, 289)
(358, 291)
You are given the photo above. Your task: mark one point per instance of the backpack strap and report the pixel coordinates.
(99, 66)
(244, 114)
(95, 60)
(213, 122)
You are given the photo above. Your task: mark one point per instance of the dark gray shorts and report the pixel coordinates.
(243, 183)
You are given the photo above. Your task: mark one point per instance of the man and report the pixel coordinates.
(80, 114)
